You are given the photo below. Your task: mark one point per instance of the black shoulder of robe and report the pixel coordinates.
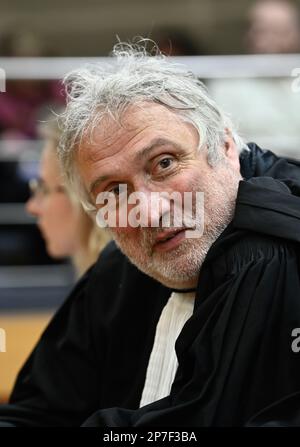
(258, 162)
(95, 347)
(95, 351)
(235, 353)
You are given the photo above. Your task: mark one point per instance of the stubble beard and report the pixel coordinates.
(180, 267)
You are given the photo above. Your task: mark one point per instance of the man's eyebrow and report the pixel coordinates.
(140, 155)
(143, 153)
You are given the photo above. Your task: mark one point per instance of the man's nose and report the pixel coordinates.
(152, 205)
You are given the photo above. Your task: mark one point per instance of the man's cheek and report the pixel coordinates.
(123, 233)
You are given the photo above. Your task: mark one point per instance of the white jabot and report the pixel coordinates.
(163, 362)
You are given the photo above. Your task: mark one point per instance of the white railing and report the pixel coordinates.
(207, 67)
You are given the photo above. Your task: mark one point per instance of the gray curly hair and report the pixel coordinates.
(99, 90)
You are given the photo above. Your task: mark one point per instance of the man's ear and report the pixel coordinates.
(231, 151)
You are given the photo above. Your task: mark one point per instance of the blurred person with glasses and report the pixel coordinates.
(67, 229)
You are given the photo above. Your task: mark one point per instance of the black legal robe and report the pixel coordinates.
(235, 356)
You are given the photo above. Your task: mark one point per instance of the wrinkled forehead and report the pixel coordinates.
(107, 132)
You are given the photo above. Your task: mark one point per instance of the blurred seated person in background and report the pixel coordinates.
(67, 229)
(266, 110)
(274, 27)
(25, 100)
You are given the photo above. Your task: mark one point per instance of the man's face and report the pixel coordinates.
(154, 150)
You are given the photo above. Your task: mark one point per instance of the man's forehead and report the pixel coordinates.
(105, 134)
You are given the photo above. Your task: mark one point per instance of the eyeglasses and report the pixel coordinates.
(38, 188)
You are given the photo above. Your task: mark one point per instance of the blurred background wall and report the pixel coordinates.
(89, 28)
(77, 28)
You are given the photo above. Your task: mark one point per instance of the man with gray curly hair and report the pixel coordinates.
(186, 318)
(165, 134)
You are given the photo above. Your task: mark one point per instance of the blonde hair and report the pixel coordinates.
(92, 238)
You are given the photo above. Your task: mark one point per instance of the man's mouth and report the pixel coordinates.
(169, 239)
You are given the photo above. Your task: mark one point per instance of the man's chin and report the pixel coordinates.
(180, 273)
(179, 285)
(176, 279)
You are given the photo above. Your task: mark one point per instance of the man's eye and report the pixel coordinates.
(165, 163)
(115, 190)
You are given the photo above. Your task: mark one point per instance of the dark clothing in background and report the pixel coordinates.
(235, 355)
